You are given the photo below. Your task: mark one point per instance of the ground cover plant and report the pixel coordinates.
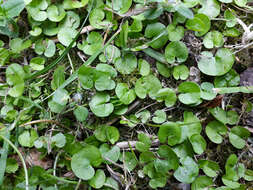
(126, 94)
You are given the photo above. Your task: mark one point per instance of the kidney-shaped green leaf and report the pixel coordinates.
(216, 65)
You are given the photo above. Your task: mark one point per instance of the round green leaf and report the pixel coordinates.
(55, 13)
(211, 8)
(237, 136)
(170, 132)
(11, 165)
(143, 67)
(72, 20)
(188, 172)
(70, 4)
(167, 153)
(198, 143)
(163, 69)
(218, 65)
(111, 53)
(201, 183)
(50, 49)
(230, 79)
(200, 23)
(81, 167)
(37, 63)
(66, 35)
(99, 105)
(176, 52)
(98, 179)
(229, 15)
(127, 64)
(176, 33)
(129, 160)
(207, 92)
(215, 130)
(157, 182)
(168, 95)
(92, 44)
(210, 168)
(213, 39)
(96, 19)
(81, 113)
(160, 116)
(241, 3)
(147, 85)
(219, 114)
(189, 93)
(125, 95)
(180, 72)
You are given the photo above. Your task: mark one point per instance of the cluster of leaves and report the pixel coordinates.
(147, 59)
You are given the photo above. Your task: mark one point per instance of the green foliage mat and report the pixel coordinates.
(125, 94)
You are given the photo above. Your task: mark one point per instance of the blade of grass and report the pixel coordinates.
(156, 55)
(31, 102)
(229, 90)
(3, 158)
(21, 158)
(61, 57)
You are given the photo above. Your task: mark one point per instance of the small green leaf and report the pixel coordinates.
(167, 153)
(81, 113)
(176, 33)
(125, 95)
(59, 140)
(188, 172)
(181, 72)
(160, 116)
(127, 64)
(210, 168)
(237, 136)
(61, 96)
(163, 69)
(215, 130)
(170, 132)
(229, 15)
(207, 92)
(37, 63)
(198, 143)
(176, 52)
(58, 77)
(157, 182)
(69, 4)
(218, 65)
(213, 39)
(66, 35)
(200, 23)
(143, 67)
(129, 160)
(98, 180)
(230, 79)
(55, 13)
(201, 183)
(100, 105)
(168, 95)
(11, 165)
(147, 85)
(211, 8)
(189, 93)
